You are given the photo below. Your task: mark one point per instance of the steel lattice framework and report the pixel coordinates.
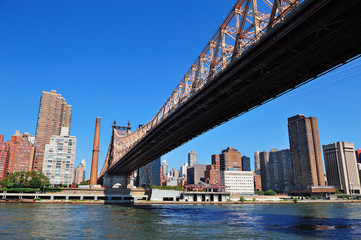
(244, 26)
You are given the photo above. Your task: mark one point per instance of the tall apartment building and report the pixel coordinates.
(264, 161)
(257, 163)
(21, 152)
(59, 158)
(83, 163)
(23, 157)
(213, 171)
(281, 176)
(306, 151)
(183, 170)
(79, 174)
(341, 167)
(165, 168)
(54, 113)
(230, 159)
(4, 158)
(246, 163)
(192, 158)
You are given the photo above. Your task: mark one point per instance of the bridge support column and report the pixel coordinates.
(111, 180)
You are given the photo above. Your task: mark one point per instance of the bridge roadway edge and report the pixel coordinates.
(333, 38)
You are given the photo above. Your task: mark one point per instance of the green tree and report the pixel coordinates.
(270, 192)
(260, 192)
(242, 199)
(24, 179)
(83, 183)
(35, 182)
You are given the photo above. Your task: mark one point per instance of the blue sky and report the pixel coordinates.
(122, 59)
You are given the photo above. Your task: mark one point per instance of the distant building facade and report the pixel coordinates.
(4, 158)
(281, 172)
(306, 151)
(213, 171)
(196, 173)
(192, 158)
(264, 162)
(257, 163)
(230, 159)
(341, 167)
(23, 157)
(358, 155)
(238, 182)
(54, 113)
(183, 171)
(83, 163)
(21, 152)
(165, 168)
(79, 174)
(257, 182)
(59, 158)
(156, 174)
(246, 163)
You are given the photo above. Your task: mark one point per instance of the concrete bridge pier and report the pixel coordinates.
(125, 180)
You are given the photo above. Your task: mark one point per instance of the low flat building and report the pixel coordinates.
(239, 182)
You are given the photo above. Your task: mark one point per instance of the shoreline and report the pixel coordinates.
(140, 203)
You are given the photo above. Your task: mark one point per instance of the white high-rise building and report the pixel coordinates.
(239, 182)
(192, 158)
(341, 167)
(165, 168)
(83, 163)
(59, 158)
(183, 171)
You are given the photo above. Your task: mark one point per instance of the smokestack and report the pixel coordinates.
(94, 169)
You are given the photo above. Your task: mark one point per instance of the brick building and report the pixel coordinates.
(212, 173)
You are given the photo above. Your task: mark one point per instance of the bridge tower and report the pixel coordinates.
(109, 180)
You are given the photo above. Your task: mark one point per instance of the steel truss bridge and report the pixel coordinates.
(262, 50)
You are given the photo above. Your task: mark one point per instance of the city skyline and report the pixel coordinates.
(56, 62)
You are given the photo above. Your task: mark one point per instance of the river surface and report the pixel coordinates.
(272, 221)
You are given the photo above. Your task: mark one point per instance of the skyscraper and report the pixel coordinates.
(79, 174)
(264, 162)
(183, 170)
(341, 167)
(54, 113)
(83, 163)
(230, 159)
(280, 171)
(246, 163)
(257, 164)
(306, 151)
(59, 158)
(192, 158)
(165, 168)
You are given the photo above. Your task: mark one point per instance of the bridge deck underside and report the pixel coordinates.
(318, 36)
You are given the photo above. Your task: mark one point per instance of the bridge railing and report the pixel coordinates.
(246, 23)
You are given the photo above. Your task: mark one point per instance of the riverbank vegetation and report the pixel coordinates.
(24, 181)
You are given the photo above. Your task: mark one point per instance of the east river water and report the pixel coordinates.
(269, 221)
